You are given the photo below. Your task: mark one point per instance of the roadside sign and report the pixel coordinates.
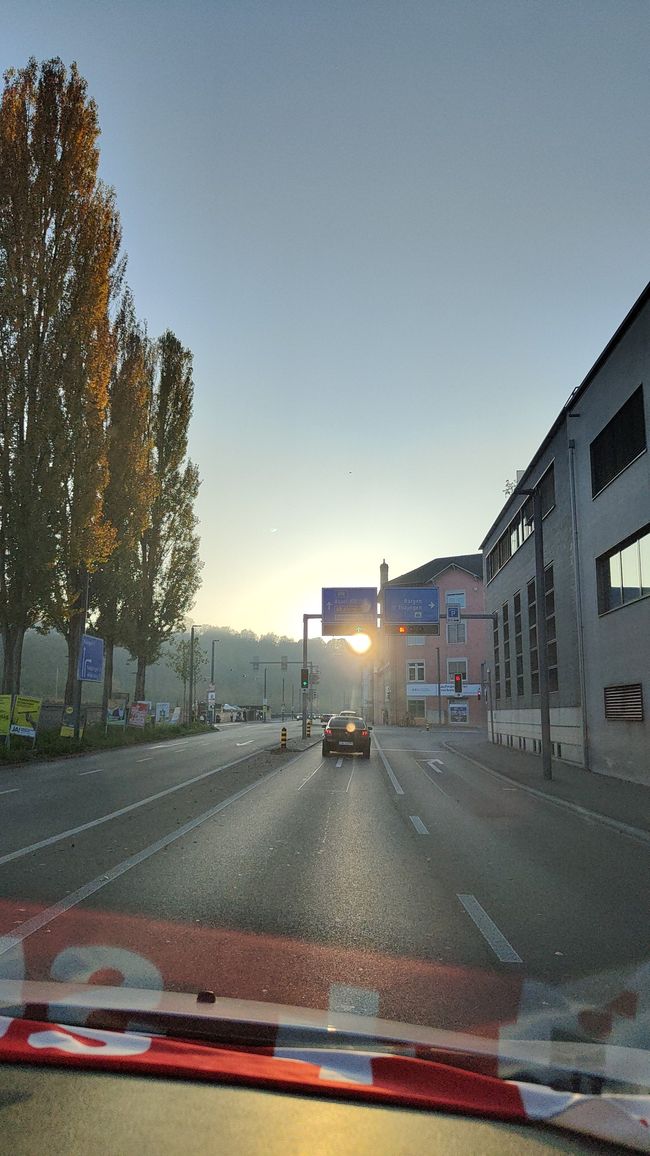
(453, 612)
(348, 609)
(25, 716)
(91, 659)
(410, 605)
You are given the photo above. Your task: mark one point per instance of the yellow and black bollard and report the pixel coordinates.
(308, 728)
(283, 739)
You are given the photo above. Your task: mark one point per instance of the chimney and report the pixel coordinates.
(383, 574)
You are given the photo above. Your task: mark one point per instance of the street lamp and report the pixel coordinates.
(214, 640)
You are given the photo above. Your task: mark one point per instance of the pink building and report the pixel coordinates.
(414, 673)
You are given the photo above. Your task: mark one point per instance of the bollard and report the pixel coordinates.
(308, 728)
(283, 739)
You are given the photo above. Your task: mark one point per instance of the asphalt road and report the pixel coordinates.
(412, 885)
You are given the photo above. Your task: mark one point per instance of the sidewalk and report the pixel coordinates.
(616, 802)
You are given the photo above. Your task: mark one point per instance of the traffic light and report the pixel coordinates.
(458, 684)
(411, 628)
(304, 678)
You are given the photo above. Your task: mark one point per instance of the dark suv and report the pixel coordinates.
(346, 735)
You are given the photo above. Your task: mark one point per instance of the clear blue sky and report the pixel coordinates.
(395, 236)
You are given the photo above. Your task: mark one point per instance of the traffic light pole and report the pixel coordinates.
(305, 663)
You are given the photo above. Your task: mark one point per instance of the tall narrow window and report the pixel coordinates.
(497, 658)
(519, 646)
(507, 678)
(532, 637)
(551, 635)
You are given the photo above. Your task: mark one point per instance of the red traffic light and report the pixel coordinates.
(458, 684)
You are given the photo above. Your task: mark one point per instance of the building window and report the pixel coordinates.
(551, 634)
(621, 441)
(519, 646)
(497, 658)
(521, 526)
(624, 702)
(623, 574)
(416, 708)
(532, 637)
(507, 677)
(415, 640)
(415, 671)
(456, 632)
(456, 666)
(455, 598)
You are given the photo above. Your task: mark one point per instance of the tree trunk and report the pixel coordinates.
(12, 644)
(107, 690)
(139, 679)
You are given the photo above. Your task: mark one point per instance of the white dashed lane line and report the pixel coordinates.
(503, 950)
(95, 772)
(10, 791)
(419, 825)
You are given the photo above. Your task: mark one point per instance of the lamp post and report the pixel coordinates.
(214, 640)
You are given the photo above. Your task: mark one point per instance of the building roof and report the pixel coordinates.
(426, 574)
(517, 499)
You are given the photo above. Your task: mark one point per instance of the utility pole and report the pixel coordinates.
(80, 635)
(191, 678)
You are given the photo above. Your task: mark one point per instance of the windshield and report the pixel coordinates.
(259, 261)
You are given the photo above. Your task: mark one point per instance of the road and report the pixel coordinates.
(413, 885)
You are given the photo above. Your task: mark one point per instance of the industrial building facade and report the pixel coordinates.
(594, 471)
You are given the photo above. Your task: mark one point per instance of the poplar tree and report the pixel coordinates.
(131, 486)
(166, 572)
(59, 266)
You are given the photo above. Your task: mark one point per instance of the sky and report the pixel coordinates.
(395, 236)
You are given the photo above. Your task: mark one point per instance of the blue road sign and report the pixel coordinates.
(91, 659)
(348, 609)
(453, 612)
(410, 605)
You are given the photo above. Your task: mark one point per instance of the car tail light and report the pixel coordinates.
(327, 731)
(364, 734)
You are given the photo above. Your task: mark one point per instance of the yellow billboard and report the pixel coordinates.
(5, 713)
(24, 719)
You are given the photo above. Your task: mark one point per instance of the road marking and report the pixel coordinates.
(489, 930)
(389, 769)
(419, 825)
(309, 777)
(147, 760)
(247, 743)
(10, 791)
(22, 851)
(339, 762)
(31, 926)
(350, 779)
(95, 772)
(433, 763)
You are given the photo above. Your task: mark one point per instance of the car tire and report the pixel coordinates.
(366, 754)
(325, 751)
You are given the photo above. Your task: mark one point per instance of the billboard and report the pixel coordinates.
(25, 715)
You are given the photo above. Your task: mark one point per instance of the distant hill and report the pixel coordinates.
(45, 665)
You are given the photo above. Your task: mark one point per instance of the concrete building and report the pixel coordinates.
(594, 470)
(410, 667)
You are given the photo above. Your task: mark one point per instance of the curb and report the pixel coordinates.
(593, 816)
